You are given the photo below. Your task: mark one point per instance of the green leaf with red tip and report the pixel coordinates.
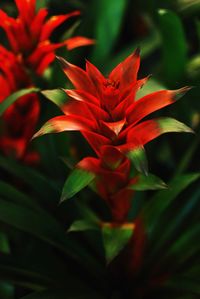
(77, 180)
(14, 97)
(115, 237)
(150, 182)
(57, 96)
(139, 159)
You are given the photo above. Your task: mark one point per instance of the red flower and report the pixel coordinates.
(105, 109)
(29, 34)
(19, 120)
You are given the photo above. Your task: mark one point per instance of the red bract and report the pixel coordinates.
(111, 182)
(19, 120)
(29, 34)
(105, 109)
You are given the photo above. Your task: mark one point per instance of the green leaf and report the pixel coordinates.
(175, 236)
(11, 193)
(197, 23)
(77, 293)
(139, 159)
(44, 227)
(40, 224)
(168, 124)
(6, 290)
(14, 97)
(109, 20)
(83, 225)
(57, 96)
(77, 180)
(160, 202)
(42, 185)
(174, 45)
(12, 271)
(184, 284)
(4, 243)
(115, 237)
(149, 182)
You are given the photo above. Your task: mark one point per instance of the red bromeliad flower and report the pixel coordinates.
(19, 120)
(107, 114)
(29, 34)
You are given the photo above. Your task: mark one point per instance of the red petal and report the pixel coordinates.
(120, 204)
(77, 76)
(64, 123)
(54, 22)
(150, 129)
(78, 41)
(111, 156)
(88, 110)
(47, 60)
(38, 22)
(7, 24)
(89, 164)
(126, 71)
(151, 103)
(26, 9)
(116, 127)
(95, 76)
(81, 95)
(96, 141)
(43, 49)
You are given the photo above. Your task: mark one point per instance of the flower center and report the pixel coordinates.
(111, 84)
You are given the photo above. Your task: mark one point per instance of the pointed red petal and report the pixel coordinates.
(85, 109)
(26, 10)
(96, 141)
(152, 102)
(81, 95)
(8, 25)
(64, 123)
(116, 127)
(77, 76)
(130, 69)
(47, 60)
(150, 129)
(126, 71)
(95, 76)
(78, 41)
(38, 22)
(54, 22)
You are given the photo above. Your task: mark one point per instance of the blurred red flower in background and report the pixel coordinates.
(29, 34)
(30, 51)
(19, 120)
